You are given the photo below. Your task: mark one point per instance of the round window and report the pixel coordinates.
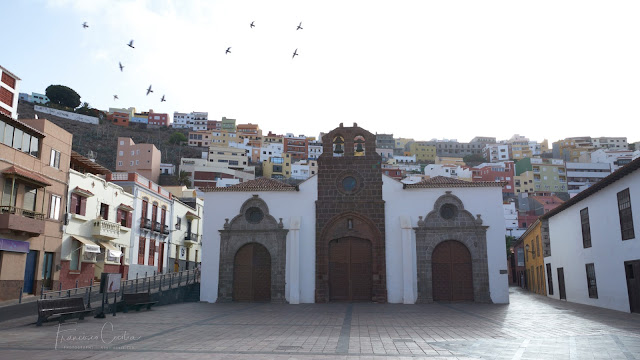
(349, 183)
(254, 215)
(448, 211)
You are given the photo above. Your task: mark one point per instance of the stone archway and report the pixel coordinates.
(252, 274)
(350, 249)
(451, 269)
(450, 221)
(254, 225)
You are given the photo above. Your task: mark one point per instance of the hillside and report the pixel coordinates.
(102, 138)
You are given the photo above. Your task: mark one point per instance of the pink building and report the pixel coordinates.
(502, 171)
(158, 119)
(141, 158)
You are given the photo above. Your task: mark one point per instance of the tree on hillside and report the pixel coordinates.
(473, 160)
(62, 95)
(177, 137)
(183, 179)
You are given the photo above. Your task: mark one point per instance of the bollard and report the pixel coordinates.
(20, 296)
(76, 287)
(69, 293)
(89, 299)
(60, 287)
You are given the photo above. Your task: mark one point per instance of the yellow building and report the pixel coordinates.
(402, 142)
(534, 258)
(523, 183)
(446, 160)
(521, 150)
(544, 146)
(277, 167)
(423, 151)
(223, 138)
(572, 148)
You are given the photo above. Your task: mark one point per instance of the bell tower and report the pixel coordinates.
(350, 244)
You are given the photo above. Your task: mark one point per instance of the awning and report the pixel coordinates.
(83, 192)
(112, 250)
(26, 174)
(125, 207)
(192, 215)
(89, 246)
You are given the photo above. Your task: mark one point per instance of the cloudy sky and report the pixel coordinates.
(420, 69)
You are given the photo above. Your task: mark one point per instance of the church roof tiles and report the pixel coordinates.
(259, 184)
(445, 182)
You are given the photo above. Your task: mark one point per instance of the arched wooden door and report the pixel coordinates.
(452, 272)
(350, 273)
(252, 274)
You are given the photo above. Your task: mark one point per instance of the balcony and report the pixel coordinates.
(105, 230)
(191, 239)
(21, 220)
(156, 227)
(165, 229)
(146, 224)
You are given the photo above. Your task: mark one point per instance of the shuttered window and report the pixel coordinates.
(586, 228)
(626, 217)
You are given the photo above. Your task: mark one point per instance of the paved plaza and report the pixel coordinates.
(531, 327)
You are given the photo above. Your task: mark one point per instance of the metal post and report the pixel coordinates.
(41, 290)
(170, 276)
(115, 294)
(76, 287)
(89, 297)
(149, 288)
(187, 278)
(69, 293)
(20, 296)
(136, 282)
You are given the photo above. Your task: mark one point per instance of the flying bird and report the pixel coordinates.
(252, 24)
(121, 66)
(130, 44)
(228, 50)
(295, 53)
(299, 26)
(162, 100)
(115, 97)
(149, 90)
(84, 25)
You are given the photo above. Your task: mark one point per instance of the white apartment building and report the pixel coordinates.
(616, 158)
(152, 214)
(196, 121)
(582, 175)
(304, 169)
(496, 152)
(99, 227)
(185, 247)
(618, 143)
(450, 171)
(269, 150)
(315, 150)
(595, 244)
(205, 173)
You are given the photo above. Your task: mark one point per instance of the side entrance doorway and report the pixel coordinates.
(30, 272)
(252, 274)
(350, 273)
(452, 272)
(632, 272)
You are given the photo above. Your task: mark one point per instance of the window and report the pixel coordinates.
(29, 198)
(54, 160)
(152, 251)
(586, 229)
(78, 204)
(549, 279)
(591, 281)
(104, 211)
(120, 153)
(75, 255)
(54, 207)
(178, 223)
(131, 163)
(121, 143)
(133, 152)
(137, 162)
(626, 217)
(141, 244)
(119, 163)
(123, 218)
(537, 245)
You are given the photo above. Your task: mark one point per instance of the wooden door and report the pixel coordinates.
(252, 274)
(561, 289)
(30, 271)
(350, 273)
(161, 258)
(452, 272)
(632, 272)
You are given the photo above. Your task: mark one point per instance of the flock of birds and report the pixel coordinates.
(252, 25)
(228, 51)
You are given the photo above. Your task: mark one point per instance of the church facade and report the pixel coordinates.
(351, 233)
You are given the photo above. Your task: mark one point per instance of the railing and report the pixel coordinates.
(151, 284)
(22, 212)
(105, 228)
(156, 226)
(192, 237)
(165, 229)
(146, 223)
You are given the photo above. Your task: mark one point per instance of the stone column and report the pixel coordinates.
(294, 260)
(407, 260)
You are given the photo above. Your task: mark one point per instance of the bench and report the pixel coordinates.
(137, 300)
(63, 307)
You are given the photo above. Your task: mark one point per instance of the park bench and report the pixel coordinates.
(63, 307)
(137, 300)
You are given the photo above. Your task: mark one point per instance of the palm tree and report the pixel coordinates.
(184, 178)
